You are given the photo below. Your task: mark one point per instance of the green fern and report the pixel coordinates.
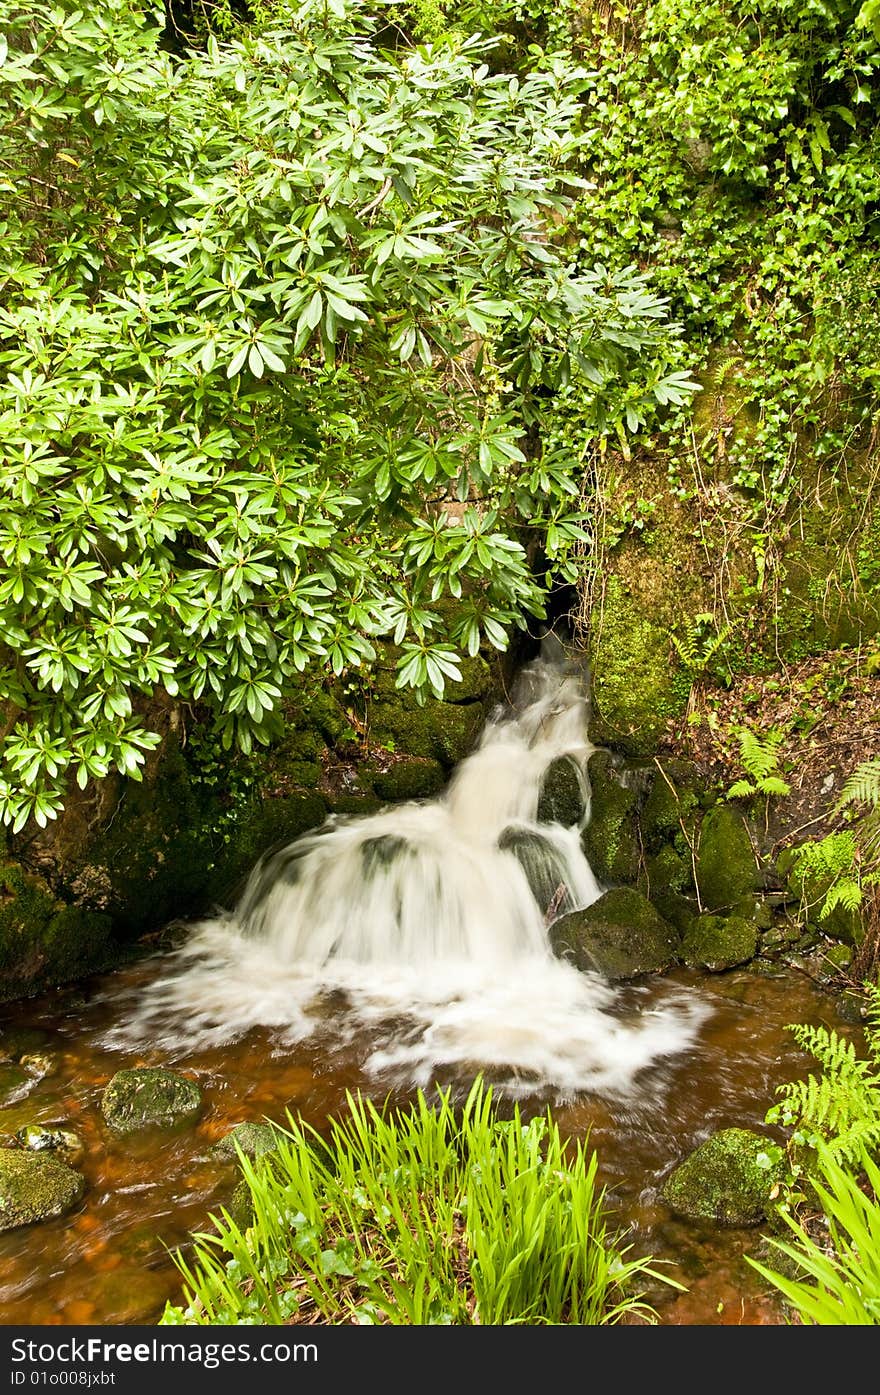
(862, 786)
(841, 1108)
(759, 756)
(700, 642)
(828, 871)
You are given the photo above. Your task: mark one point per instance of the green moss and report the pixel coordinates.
(412, 777)
(44, 940)
(35, 1187)
(633, 667)
(672, 801)
(719, 942)
(149, 1097)
(726, 1180)
(667, 870)
(620, 935)
(440, 731)
(610, 839)
(726, 868)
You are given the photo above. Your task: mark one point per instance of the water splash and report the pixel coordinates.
(421, 932)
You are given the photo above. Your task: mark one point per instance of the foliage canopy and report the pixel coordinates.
(286, 330)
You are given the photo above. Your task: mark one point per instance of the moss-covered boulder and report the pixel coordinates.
(544, 867)
(717, 942)
(611, 838)
(727, 1180)
(35, 1187)
(669, 810)
(562, 798)
(253, 1140)
(620, 935)
(150, 1097)
(408, 777)
(442, 731)
(43, 938)
(726, 868)
(667, 870)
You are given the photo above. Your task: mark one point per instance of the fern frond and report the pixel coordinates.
(741, 790)
(760, 756)
(772, 784)
(846, 893)
(862, 786)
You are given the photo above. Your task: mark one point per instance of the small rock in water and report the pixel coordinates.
(252, 1139)
(35, 1187)
(150, 1096)
(37, 1138)
(728, 1179)
(38, 1064)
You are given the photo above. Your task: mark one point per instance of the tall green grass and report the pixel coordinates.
(838, 1274)
(417, 1216)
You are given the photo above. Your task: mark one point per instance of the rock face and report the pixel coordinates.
(610, 839)
(621, 936)
(35, 1187)
(726, 1180)
(150, 1097)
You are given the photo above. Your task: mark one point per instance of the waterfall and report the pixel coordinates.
(418, 935)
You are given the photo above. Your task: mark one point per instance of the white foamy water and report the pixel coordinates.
(419, 935)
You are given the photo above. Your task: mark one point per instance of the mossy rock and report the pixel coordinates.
(667, 870)
(717, 942)
(671, 803)
(43, 939)
(38, 1138)
(726, 1180)
(150, 1097)
(410, 777)
(611, 838)
(726, 868)
(621, 935)
(442, 731)
(562, 799)
(543, 865)
(680, 910)
(253, 1140)
(35, 1187)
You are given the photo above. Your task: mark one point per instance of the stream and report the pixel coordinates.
(389, 954)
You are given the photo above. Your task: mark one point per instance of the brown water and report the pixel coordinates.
(108, 1261)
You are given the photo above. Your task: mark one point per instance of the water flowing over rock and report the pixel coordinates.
(425, 926)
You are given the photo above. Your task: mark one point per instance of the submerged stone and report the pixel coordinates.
(562, 797)
(717, 942)
(727, 1180)
(620, 935)
(35, 1187)
(150, 1097)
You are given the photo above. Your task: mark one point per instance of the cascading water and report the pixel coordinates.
(422, 931)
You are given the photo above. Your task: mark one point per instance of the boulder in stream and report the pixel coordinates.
(35, 1187)
(728, 1179)
(40, 1138)
(150, 1097)
(717, 942)
(620, 935)
(563, 797)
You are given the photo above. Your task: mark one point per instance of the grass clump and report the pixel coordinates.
(417, 1216)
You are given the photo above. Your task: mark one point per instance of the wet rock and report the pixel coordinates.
(726, 868)
(620, 935)
(672, 802)
(611, 838)
(38, 1138)
(717, 942)
(38, 1064)
(150, 1097)
(35, 1187)
(16, 1042)
(240, 1207)
(544, 867)
(727, 1180)
(562, 794)
(251, 1139)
